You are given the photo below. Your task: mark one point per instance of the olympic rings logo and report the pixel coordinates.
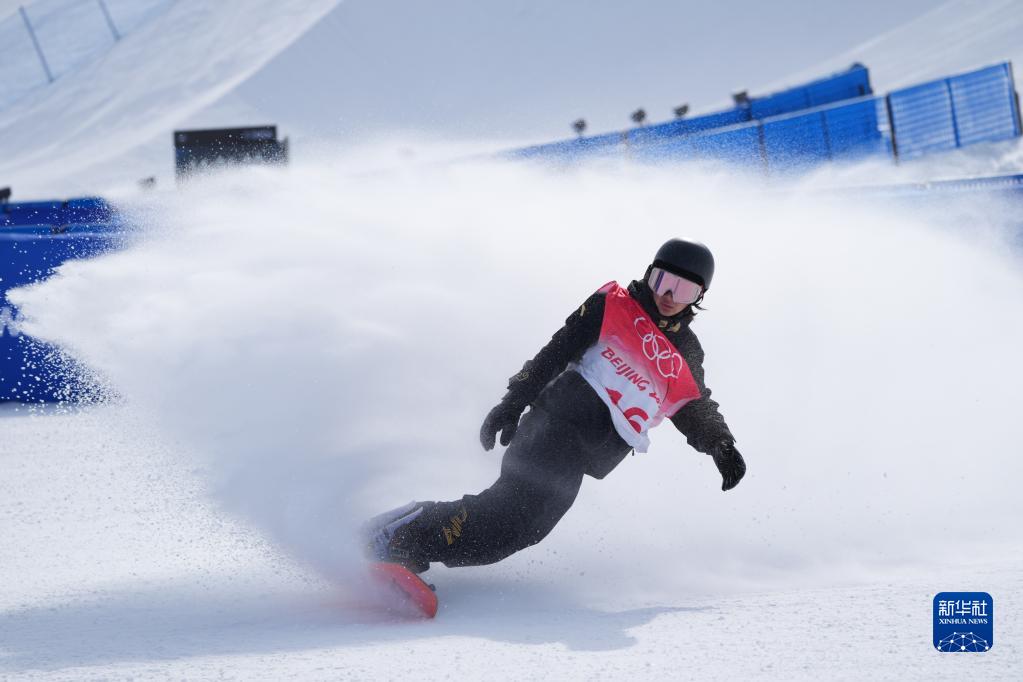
(669, 361)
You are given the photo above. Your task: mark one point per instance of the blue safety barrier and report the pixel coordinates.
(31, 213)
(30, 251)
(795, 141)
(858, 129)
(923, 119)
(985, 105)
(852, 83)
(829, 123)
(686, 126)
(848, 85)
(571, 150)
(839, 132)
(87, 210)
(84, 210)
(786, 143)
(980, 106)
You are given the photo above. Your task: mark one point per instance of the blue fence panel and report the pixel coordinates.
(789, 142)
(984, 105)
(651, 141)
(781, 103)
(32, 213)
(835, 120)
(739, 145)
(571, 150)
(847, 85)
(858, 129)
(795, 142)
(922, 119)
(954, 112)
(87, 210)
(29, 370)
(719, 119)
(687, 126)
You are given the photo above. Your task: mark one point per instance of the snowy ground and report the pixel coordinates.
(280, 386)
(115, 567)
(297, 349)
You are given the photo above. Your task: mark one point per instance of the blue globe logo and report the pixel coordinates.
(963, 641)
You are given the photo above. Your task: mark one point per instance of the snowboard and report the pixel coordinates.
(402, 591)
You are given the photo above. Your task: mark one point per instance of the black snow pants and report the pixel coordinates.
(565, 435)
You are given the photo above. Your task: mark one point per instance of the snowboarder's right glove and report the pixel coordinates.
(503, 418)
(730, 463)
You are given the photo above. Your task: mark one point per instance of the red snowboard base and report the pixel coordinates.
(404, 590)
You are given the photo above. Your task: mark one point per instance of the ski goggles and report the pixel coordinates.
(682, 290)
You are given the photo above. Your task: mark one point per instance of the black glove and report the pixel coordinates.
(503, 418)
(730, 463)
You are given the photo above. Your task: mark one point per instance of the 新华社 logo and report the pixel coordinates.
(963, 622)
(668, 360)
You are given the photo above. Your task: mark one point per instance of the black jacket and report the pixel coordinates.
(544, 383)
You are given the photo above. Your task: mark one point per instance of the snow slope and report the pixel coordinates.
(957, 36)
(295, 350)
(121, 571)
(281, 383)
(371, 70)
(181, 61)
(490, 75)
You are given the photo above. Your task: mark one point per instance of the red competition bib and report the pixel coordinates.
(635, 370)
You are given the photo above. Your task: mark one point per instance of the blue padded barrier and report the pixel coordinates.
(844, 131)
(33, 213)
(922, 119)
(858, 129)
(782, 103)
(687, 126)
(852, 83)
(73, 211)
(983, 104)
(979, 106)
(794, 142)
(940, 115)
(86, 210)
(740, 145)
(736, 144)
(29, 370)
(847, 85)
(789, 142)
(570, 150)
(832, 122)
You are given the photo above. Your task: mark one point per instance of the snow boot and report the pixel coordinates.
(388, 538)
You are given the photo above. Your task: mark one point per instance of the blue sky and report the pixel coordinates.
(525, 69)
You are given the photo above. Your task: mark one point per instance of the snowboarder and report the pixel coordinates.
(624, 361)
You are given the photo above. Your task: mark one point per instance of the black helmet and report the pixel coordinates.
(691, 260)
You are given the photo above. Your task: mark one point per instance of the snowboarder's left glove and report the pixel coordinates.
(730, 463)
(503, 418)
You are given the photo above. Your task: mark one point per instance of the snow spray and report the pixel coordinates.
(328, 343)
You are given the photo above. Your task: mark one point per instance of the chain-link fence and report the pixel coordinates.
(47, 39)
